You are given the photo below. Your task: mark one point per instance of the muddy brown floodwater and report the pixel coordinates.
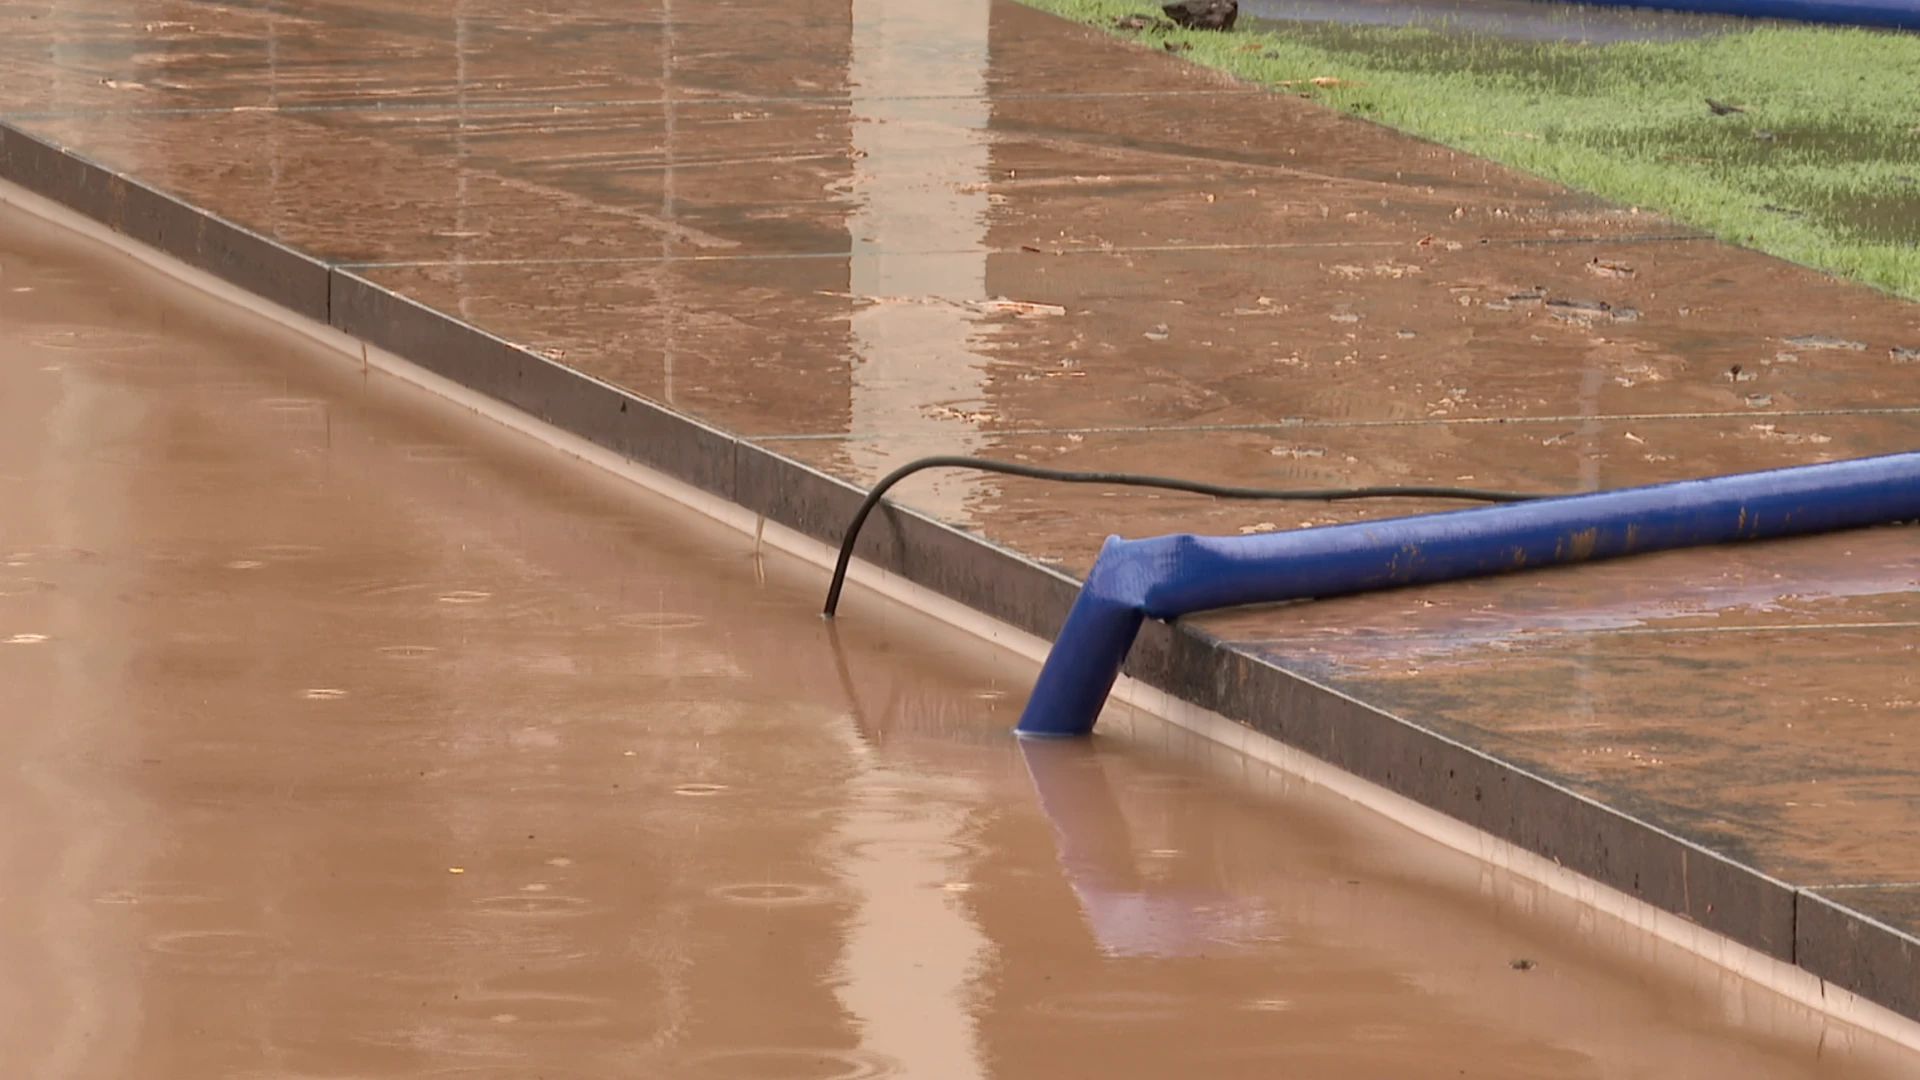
(349, 736)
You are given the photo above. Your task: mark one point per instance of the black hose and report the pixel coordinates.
(1196, 487)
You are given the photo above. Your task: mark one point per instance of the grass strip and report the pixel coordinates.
(1821, 168)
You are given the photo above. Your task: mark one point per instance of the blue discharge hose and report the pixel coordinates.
(1901, 14)
(1166, 577)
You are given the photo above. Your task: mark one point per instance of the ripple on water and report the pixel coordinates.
(1255, 939)
(385, 588)
(868, 817)
(1380, 1033)
(23, 586)
(1165, 782)
(659, 620)
(49, 553)
(228, 387)
(213, 949)
(407, 652)
(788, 1063)
(292, 404)
(546, 949)
(1334, 1054)
(504, 1071)
(82, 336)
(155, 895)
(534, 905)
(434, 452)
(889, 850)
(534, 1010)
(700, 790)
(775, 894)
(1111, 1006)
(285, 552)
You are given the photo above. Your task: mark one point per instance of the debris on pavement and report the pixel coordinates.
(997, 306)
(1021, 308)
(1823, 341)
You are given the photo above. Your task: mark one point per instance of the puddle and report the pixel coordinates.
(1887, 216)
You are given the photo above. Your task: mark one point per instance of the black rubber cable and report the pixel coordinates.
(1196, 487)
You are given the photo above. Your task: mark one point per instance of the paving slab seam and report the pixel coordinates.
(1543, 832)
(1428, 421)
(776, 256)
(1117, 249)
(511, 105)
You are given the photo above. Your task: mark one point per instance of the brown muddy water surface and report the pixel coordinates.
(349, 737)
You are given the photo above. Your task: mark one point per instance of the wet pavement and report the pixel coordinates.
(350, 736)
(794, 222)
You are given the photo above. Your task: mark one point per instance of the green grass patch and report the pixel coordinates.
(1823, 168)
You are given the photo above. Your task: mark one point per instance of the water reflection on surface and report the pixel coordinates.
(918, 225)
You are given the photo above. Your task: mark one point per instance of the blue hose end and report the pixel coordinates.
(1087, 653)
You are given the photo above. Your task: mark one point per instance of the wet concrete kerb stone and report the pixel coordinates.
(1821, 934)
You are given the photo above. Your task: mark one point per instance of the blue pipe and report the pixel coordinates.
(1898, 14)
(1166, 577)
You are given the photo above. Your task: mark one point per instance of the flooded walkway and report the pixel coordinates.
(348, 736)
(842, 237)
